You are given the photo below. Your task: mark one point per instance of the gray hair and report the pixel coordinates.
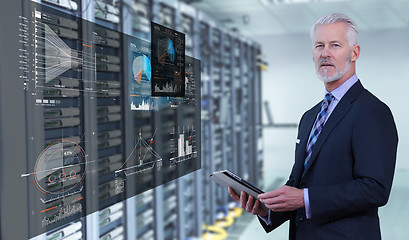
(352, 32)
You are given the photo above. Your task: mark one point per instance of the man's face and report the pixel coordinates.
(331, 51)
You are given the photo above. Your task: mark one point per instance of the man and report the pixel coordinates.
(345, 152)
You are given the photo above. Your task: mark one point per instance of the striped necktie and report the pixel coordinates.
(318, 125)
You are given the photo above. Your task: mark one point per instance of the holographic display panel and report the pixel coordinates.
(100, 130)
(168, 58)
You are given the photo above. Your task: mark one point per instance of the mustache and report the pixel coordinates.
(326, 61)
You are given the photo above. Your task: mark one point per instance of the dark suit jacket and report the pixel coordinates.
(349, 174)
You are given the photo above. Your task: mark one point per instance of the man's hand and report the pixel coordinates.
(283, 199)
(249, 204)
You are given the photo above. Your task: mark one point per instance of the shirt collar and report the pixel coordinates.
(340, 91)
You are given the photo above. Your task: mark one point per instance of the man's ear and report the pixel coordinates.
(356, 49)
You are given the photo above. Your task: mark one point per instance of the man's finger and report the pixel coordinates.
(243, 199)
(272, 201)
(256, 207)
(234, 195)
(249, 204)
(271, 194)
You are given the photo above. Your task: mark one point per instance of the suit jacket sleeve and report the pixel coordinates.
(373, 147)
(276, 219)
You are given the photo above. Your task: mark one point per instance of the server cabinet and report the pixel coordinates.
(230, 115)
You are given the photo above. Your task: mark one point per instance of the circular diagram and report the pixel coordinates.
(166, 51)
(141, 68)
(60, 167)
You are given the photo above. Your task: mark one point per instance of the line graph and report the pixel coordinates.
(137, 161)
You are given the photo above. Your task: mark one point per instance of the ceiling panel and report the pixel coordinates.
(298, 18)
(259, 26)
(294, 18)
(401, 9)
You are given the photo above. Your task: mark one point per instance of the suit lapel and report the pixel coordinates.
(303, 135)
(337, 115)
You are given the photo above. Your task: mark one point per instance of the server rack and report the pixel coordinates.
(256, 131)
(188, 186)
(63, 124)
(110, 132)
(231, 115)
(109, 118)
(207, 195)
(167, 194)
(225, 110)
(141, 17)
(231, 123)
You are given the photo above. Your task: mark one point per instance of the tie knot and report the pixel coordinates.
(328, 98)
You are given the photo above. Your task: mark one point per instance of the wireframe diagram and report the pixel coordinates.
(53, 56)
(142, 158)
(59, 66)
(57, 56)
(184, 145)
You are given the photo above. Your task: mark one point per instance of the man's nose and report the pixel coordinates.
(325, 52)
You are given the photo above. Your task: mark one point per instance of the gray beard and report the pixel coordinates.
(338, 74)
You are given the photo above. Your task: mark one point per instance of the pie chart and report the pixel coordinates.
(141, 68)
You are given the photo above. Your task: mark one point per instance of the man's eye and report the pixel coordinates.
(336, 45)
(319, 46)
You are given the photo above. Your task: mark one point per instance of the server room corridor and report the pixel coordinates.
(114, 113)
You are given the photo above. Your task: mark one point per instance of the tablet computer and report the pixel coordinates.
(227, 179)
